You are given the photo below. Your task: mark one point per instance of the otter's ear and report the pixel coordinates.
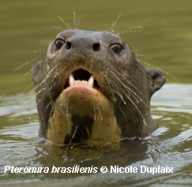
(157, 79)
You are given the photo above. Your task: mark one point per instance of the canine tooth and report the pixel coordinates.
(71, 80)
(91, 81)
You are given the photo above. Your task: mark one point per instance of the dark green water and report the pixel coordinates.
(160, 32)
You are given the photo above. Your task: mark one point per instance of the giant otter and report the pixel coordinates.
(91, 89)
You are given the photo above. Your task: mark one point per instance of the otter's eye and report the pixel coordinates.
(117, 48)
(59, 43)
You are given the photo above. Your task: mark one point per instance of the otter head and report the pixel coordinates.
(91, 89)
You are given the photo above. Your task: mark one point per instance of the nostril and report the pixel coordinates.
(68, 45)
(96, 46)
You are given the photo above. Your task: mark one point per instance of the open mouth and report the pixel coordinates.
(81, 77)
(77, 81)
(82, 114)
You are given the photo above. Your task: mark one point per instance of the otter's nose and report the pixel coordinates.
(82, 44)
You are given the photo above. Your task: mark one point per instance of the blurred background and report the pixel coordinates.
(160, 32)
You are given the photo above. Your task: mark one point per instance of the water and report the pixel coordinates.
(159, 32)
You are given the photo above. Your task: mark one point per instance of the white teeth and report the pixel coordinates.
(91, 81)
(71, 80)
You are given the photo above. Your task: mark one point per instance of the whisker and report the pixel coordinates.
(115, 22)
(75, 23)
(126, 90)
(129, 89)
(63, 21)
(45, 79)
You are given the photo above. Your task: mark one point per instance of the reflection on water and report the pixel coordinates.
(169, 145)
(160, 32)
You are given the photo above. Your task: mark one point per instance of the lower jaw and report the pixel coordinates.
(81, 102)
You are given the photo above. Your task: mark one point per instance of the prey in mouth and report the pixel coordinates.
(91, 89)
(82, 114)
